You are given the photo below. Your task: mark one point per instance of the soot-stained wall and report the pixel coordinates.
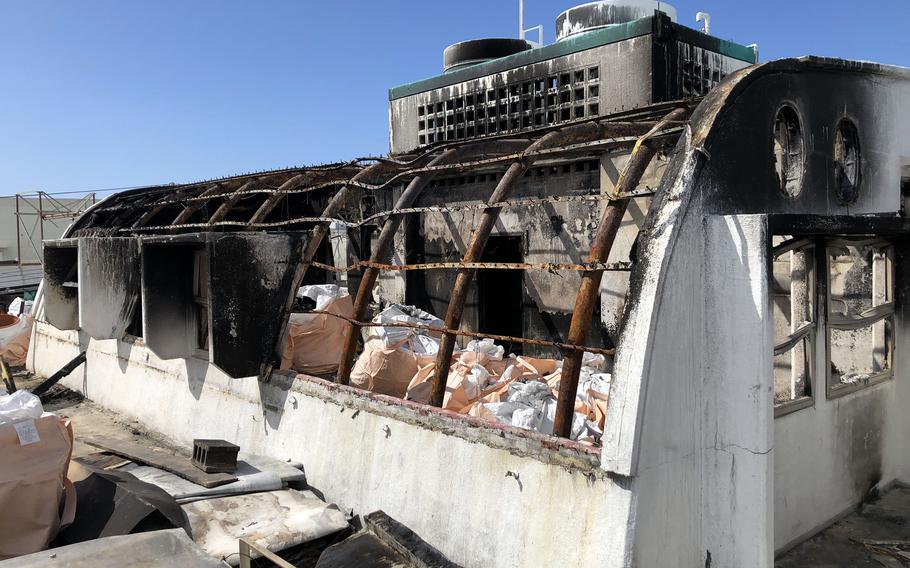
(559, 232)
(829, 455)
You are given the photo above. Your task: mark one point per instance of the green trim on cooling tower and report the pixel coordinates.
(580, 42)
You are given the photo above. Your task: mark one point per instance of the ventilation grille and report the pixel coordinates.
(700, 70)
(516, 107)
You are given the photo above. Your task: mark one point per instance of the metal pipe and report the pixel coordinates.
(521, 19)
(41, 216)
(480, 235)
(336, 204)
(589, 290)
(18, 238)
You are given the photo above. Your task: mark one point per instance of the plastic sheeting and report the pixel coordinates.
(15, 334)
(315, 341)
(392, 355)
(19, 406)
(276, 520)
(254, 473)
(168, 547)
(518, 391)
(20, 306)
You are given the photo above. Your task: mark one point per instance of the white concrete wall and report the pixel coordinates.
(704, 451)
(690, 412)
(446, 481)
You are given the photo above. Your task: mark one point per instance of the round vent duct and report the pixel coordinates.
(474, 51)
(596, 15)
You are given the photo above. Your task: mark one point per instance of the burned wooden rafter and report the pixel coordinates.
(189, 209)
(303, 179)
(514, 156)
(384, 242)
(382, 214)
(133, 212)
(383, 247)
(231, 201)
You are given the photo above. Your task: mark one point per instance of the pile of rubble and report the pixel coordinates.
(483, 381)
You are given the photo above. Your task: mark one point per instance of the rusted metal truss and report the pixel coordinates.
(313, 198)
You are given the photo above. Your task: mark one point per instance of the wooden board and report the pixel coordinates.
(162, 459)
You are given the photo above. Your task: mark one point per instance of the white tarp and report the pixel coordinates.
(155, 548)
(19, 406)
(276, 520)
(254, 473)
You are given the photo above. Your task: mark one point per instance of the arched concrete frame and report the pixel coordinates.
(690, 420)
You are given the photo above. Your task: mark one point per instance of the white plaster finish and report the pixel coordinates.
(446, 481)
(737, 393)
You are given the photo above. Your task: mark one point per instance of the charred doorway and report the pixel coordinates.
(500, 293)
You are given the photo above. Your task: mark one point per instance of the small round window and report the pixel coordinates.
(846, 162)
(788, 151)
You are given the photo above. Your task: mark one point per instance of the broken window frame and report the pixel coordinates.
(805, 334)
(201, 304)
(882, 313)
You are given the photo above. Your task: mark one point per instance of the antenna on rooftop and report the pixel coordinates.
(706, 18)
(521, 26)
(521, 19)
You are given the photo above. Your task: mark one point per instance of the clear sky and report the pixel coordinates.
(102, 94)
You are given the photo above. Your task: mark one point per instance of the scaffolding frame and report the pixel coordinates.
(48, 208)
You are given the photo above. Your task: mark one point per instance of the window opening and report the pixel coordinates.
(501, 292)
(788, 151)
(793, 313)
(846, 162)
(860, 313)
(201, 300)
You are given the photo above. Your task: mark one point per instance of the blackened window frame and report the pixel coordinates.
(807, 332)
(886, 312)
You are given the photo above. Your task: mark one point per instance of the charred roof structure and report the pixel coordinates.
(729, 236)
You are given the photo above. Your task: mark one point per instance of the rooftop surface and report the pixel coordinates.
(877, 534)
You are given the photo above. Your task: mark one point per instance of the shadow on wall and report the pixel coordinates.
(196, 371)
(273, 394)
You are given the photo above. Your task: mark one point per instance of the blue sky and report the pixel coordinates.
(104, 94)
